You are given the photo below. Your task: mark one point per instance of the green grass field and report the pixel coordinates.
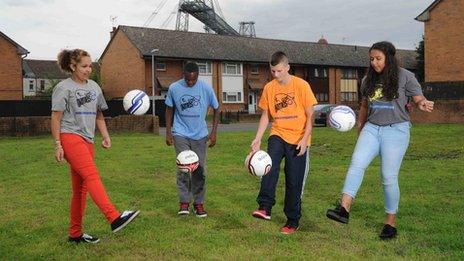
(139, 173)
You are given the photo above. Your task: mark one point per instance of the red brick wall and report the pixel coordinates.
(174, 69)
(24, 126)
(444, 42)
(122, 68)
(335, 76)
(30, 126)
(11, 79)
(299, 71)
(232, 106)
(263, 76)
(143, 123)
(443, 112)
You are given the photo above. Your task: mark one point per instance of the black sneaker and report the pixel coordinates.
(125, 218)
(183, 209)
(338, 214)
(388, 232)
(84, 239)
(200, 210)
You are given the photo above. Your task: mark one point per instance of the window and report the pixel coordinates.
(349, 74)
(204, 67)
(42, 85)
(161, 66)
(319, 73)
(31, 85)
(231, 96)
(254, 69)
(232, 68)
(349, 96)
(322, 97)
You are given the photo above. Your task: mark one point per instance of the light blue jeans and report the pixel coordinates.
(391, 143)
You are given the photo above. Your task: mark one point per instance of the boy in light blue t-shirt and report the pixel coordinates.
(187, 104)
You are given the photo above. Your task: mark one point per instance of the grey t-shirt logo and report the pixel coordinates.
(84, 96)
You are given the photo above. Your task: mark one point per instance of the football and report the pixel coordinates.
(136, 102)
(342, 118)
(187, 161)
(258, 163)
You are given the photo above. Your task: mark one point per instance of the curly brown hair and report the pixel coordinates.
(68, 57)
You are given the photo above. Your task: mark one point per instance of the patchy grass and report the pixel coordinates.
(139, 173)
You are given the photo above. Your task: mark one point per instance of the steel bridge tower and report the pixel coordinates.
(247, 29)
(204, 11)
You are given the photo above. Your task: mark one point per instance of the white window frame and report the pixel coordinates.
(161, 68)
(318, 70)
(348, 96)
(238, 69)
(207, 66)
(254, 69)
(31, 85)
(349, 74)
(238, 97)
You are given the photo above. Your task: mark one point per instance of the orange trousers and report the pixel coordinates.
(85, 178)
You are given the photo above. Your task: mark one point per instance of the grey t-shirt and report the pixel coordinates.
(79, 104)
(384, 112)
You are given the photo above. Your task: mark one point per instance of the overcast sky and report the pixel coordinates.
(44, 27)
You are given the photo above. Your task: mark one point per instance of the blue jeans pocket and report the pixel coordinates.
(403, 127)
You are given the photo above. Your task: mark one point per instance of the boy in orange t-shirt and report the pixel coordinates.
(289, 101)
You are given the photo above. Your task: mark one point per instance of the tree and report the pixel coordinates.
(420, 61)
(96, 77)
(49, 91)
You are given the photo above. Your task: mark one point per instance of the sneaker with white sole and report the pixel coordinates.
(183, 209)
(125, 218)
(85, 238)
(262, 213)
(200, 210)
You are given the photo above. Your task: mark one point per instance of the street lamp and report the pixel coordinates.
(153, 76)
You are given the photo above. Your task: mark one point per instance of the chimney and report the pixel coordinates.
(112, 32)
(322, 40)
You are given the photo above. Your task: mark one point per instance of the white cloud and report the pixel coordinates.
(45, 26)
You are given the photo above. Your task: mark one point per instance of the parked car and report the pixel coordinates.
(321, 112)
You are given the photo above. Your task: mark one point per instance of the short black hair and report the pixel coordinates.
(278, 57)
(191, 67)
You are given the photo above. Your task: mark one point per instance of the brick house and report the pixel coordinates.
(40, 75)
(11, 79)
(444, 40)
(236, 67)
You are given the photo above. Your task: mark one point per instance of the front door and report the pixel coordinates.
(252, 103)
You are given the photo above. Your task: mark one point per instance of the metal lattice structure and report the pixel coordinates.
(205, 13)
(182, 20)
(247, 29)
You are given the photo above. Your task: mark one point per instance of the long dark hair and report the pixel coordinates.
(389, 74)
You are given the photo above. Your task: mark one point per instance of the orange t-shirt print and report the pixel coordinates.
(286, 104)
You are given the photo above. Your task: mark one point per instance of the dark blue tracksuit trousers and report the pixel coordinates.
(296, 170)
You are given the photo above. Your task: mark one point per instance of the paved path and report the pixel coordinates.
(227, 127)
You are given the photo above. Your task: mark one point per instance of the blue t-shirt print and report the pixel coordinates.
(85, 102)
(188, 102)
(190, 106)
